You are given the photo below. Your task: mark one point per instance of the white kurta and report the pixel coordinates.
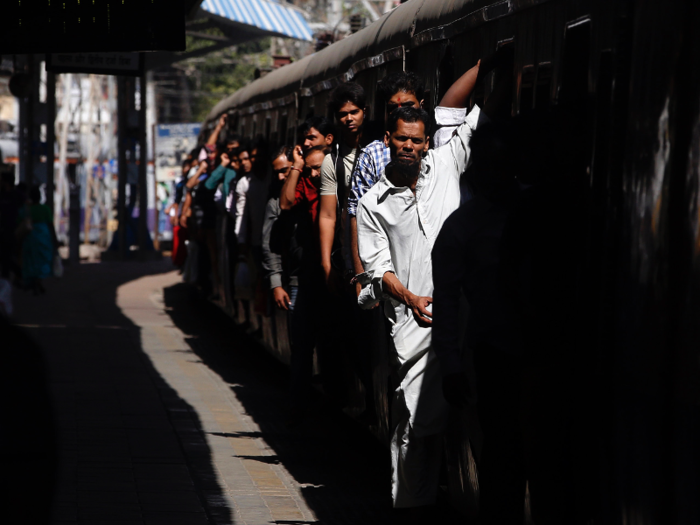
(396, 233)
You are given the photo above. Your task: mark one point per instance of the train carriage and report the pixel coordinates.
(632, 66)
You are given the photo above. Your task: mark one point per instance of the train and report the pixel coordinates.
(632, 66)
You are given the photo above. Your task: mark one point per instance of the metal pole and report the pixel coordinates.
(50, 139)
(121, 149)
(143, 170)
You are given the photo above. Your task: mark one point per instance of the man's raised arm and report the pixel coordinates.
(458, 94)
(288, 193)
(214, 137)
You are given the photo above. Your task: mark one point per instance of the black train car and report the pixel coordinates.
(632, 70)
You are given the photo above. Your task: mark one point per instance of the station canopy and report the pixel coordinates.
(263, 17)
(237, 21)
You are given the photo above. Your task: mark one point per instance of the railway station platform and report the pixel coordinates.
(167, 413)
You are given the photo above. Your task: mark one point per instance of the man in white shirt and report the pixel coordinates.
(398, 220)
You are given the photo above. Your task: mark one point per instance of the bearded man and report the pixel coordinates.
(398, 220)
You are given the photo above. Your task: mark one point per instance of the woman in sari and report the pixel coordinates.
(38, 242)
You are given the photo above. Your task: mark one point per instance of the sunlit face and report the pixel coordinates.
(408, 143)
(281, 167)
(246, 165)
(401, 99)
(312, 163)
(314, 137)
(350, 117)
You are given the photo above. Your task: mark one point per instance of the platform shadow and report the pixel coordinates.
(128, 446)
(342, 470)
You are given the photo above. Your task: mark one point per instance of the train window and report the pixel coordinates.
(527, 88)
(575, 64)
(446, 76)
(480, 98)
(282, 127)
(543, 85)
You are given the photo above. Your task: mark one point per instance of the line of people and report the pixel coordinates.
(442, 206)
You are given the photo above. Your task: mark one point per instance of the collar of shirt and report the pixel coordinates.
(388, 188)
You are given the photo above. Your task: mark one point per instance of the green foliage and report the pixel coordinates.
(219, 74)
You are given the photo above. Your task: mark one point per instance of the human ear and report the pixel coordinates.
(420, 104)
(426, 144)
(387, 135)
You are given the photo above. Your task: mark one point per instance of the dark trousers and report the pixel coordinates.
(306, 321)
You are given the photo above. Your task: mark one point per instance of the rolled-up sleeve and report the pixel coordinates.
(456, 152)
(447, 121)
(329, 183)
(375, 254)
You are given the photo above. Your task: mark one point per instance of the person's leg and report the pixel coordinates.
(303, 340)
(370, 324)
(415, 461)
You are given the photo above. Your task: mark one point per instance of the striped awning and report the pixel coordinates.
(267, 15)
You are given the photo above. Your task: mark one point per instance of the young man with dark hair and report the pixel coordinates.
(398, 220)
(273, 259)
(347, 102)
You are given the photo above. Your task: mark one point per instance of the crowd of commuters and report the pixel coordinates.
(28, 244)
(353, 236)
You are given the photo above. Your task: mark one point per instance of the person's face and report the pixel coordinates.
(211, 157)
(408, 143)
(281, 167)
(235, 163)
(312, 163)
(314, 138)
(253, 156)
(401, 99)
(350, 117)
(246, 164)
(232, 144)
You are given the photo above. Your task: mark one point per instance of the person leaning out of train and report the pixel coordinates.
(398, 220)
(347, 103)
(404, 89)
(300, 195)
(274, 252)
(222, 177)
(249, 210)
